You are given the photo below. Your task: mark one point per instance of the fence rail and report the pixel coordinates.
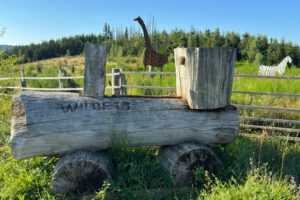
(124, 86)
(267, 93)
(267, 108)
(284, 121)
(268, 77)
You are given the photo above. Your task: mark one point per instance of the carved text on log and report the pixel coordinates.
(81, 106)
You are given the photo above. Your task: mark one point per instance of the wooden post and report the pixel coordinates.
(60, 74)
(22, 81)
(204, 76)
(116, 81)
(180, 160)
(123, 82)
(95, 66)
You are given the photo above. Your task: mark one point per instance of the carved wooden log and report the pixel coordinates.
(204, 76)
(180, 161)
(48, 123)
(80, 171)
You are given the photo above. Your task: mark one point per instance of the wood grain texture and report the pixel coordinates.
(118, 80)
(49, 123)
(80, 171)
(205, 79)
(95, 66)
(180, 161)
(22, 81)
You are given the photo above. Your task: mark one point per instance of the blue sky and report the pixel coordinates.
(32, 21)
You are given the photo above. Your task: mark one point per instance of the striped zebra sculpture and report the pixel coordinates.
(274, 70)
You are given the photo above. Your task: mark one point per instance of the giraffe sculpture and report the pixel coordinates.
(151, 57)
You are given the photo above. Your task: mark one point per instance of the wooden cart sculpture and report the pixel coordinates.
(80, 128)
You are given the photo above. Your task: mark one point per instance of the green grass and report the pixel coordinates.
(253, 168)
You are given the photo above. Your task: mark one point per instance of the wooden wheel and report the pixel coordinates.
(180, 161)
(80, 171)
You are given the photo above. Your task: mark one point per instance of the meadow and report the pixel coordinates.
(254, 168)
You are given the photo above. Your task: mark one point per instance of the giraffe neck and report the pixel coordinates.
(146, 36)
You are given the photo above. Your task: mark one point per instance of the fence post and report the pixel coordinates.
(60, 74)
(123, 82)
(116, 81)
(21, 80)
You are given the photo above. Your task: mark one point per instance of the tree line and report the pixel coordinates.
(128, 42)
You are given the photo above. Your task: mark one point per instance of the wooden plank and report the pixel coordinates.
(95, 66)
(46, 123)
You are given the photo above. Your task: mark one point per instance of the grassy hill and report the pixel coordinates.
(253, 168)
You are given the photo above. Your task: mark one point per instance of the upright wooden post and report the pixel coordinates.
(204, 76)
(123, 82)
(115, 79)
(22, 81)
(60, 74)
(95, 66)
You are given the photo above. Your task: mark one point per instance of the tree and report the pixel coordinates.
(7, 63)
(273, 52)
(106, 31)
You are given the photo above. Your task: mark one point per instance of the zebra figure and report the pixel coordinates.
(274, 70)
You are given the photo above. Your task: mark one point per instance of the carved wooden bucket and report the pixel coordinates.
(204, 76)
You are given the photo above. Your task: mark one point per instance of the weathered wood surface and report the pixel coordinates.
(204, 76)
(22, 80)
(61, 73)
(95, 66)
(180, 160)
(80, 171)
(117, 81)
(49, 123)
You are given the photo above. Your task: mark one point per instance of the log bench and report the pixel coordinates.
(79, 128)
